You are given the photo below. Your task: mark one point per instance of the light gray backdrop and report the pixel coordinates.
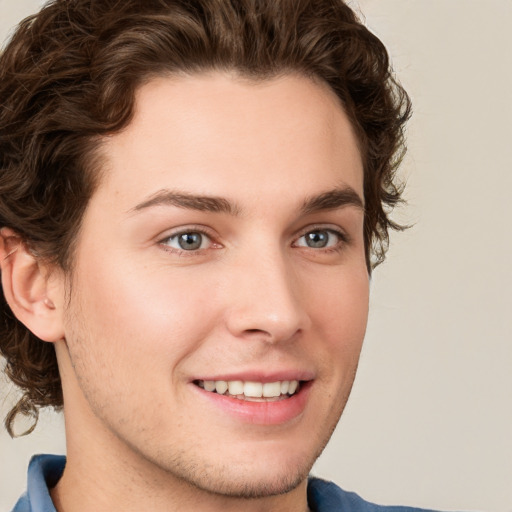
(430, 419)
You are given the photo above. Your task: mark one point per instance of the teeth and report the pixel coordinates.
(236, 387)
(250, 389)
(209, 385)
(253, 389)
(271, 389)
(221, 386)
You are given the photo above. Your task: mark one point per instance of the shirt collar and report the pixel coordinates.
(44, 471)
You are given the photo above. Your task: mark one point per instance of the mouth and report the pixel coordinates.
(252, 391)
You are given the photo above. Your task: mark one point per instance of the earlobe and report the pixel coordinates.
(27, 289)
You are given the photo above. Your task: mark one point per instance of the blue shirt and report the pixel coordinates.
(44, 472)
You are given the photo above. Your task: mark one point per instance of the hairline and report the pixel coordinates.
(95, 160)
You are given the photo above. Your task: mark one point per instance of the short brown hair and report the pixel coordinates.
(69, 76)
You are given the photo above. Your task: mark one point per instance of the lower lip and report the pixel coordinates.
(260, 413)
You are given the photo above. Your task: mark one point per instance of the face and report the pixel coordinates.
(219, 296)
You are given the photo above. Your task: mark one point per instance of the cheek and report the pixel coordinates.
(341, 297)
(149, 318)
(130, 333)
(339, 312)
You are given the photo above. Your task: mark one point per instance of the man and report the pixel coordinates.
(193, 196)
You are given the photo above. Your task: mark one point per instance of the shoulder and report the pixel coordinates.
(22, 505)
(326, 496)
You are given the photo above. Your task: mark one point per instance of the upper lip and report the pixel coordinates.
(260, 376)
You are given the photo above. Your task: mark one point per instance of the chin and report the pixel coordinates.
(249, 484)
(259, 474)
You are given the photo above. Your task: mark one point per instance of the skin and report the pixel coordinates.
(140, 319)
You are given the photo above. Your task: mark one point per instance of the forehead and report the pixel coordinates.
(223, 135)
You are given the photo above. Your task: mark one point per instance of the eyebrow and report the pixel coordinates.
(330, 200)
(189, 201)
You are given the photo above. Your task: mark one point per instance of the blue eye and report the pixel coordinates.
(319, 239)
(188, 241)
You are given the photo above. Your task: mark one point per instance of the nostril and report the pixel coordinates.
(257, 334)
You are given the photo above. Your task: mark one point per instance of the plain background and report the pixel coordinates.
(430, 418)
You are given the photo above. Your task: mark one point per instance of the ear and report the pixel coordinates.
(30, 288)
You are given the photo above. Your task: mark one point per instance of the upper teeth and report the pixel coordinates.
(251, 389)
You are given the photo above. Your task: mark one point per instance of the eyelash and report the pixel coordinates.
(189, 230)
(343, 239)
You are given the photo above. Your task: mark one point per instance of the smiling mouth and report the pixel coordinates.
(252, 391)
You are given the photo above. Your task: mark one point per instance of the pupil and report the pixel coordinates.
(317, 239)
(190, 241)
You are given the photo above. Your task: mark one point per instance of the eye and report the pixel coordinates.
(188, 241)
(320, 239)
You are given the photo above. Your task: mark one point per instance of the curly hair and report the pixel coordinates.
(68, 77)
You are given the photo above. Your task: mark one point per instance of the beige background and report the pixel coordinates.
(430, 419)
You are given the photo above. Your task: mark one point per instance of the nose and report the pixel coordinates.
(266, 301)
